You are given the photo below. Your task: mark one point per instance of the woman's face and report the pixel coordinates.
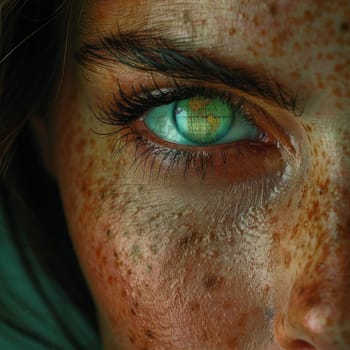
(202, 150)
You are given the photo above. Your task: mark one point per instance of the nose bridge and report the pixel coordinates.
(316, 314)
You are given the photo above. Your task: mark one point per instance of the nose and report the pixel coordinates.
(318, 327)
(315, 314)
(313, 307)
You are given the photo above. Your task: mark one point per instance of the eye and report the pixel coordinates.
(194, 134)
(200, 121)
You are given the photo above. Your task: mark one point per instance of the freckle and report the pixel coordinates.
(232, 343)
(274, 219)
(110, 280)
(149, 333)
(232, 31)
(321, 85)
(339, 68)
(308, 16)
(344, 27)
(295, 231)
(276, 238)
(329, 56)
(204, 335)
(81, 145)
(242, 321)
(339, 106)
(211, 282)
(263, 32)
(256, 21)
(194, 306)
(295, 75)
(297, 46)
(98, 252)
(273, 9)
(341, 41)
(337, 92)
(331, 77)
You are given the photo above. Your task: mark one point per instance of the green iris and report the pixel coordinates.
(199, 121)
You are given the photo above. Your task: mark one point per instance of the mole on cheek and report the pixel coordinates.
(213, 282)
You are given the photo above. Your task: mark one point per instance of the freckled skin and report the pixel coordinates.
(179, 266)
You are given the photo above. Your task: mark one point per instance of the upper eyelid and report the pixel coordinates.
(123, 103)
(154, 54)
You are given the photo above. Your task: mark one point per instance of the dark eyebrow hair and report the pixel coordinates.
(146, 51)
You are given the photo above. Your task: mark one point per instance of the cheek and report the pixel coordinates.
(160, 279)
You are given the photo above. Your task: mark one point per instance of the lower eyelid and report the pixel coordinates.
(227, 164)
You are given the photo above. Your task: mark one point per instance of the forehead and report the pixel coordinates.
(250, 28)
(302, 41)
(237, 16)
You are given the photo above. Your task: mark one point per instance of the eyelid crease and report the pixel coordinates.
(146, 51)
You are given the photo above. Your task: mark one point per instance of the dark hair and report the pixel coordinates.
(33, 36)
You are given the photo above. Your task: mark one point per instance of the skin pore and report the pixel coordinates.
(253, 254)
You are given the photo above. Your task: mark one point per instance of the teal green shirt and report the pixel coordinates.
(36, 314)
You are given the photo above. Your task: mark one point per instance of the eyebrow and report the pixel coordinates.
(146, 51)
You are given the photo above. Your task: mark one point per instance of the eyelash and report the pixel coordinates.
(126, 109)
